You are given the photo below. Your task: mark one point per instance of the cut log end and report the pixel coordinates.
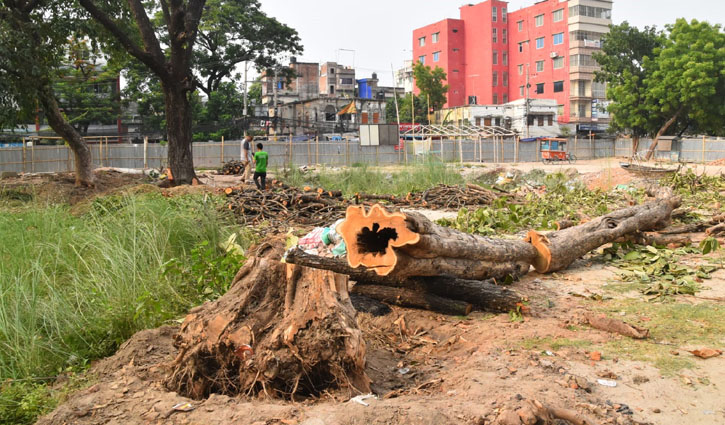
(542, 262)
(371, 236)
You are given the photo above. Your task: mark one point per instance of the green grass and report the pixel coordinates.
(75, 287)
(363, 179)
(672, 326)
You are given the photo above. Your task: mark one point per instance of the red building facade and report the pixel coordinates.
(490, 53)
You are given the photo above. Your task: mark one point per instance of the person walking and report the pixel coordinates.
(247, 158)
(260, 170)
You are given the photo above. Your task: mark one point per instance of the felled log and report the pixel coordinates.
(281, 330)
(654, 238)
(559, 249)
(401, 245)
(484, 295)
(405, 297)
(604, 323)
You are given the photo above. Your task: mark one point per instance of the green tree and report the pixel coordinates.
(687, 81)
(33, 44)
(168, 46)
(404, 105)
(430, 83)
(238, 31)
(88, 90)
(622, 58)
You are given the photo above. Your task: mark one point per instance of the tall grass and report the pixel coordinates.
(360, 179)
(73, 288)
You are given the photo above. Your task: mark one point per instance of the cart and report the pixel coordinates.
(554, 150)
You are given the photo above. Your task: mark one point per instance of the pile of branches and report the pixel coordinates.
(282, 204)
(233, 168)
(438, 197)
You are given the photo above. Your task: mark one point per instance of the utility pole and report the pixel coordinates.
(274, 90)
(526, 117)
(395, 96)
(246, 83)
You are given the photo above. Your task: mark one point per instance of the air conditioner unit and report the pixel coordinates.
(554, 55)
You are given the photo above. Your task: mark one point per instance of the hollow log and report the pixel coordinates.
(282, 330)
(405, 297)
(484, 295)
(559, 249)
(401, 245)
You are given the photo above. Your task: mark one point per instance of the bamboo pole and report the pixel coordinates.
(516, 150)
(100, 152)
(289, 148)
(221, 153)
(24, 154)
(703, 148)
(145, 152)
(317, 150)
(309, 152)
(68, 166)
(32, 157)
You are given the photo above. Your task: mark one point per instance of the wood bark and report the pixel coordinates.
(662, 130)
(281, 330)
(56, 120)
(405, 297)
(484, 295)
(557, 250)
(177, 80)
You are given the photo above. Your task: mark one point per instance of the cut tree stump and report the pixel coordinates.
(484, 295)
(281, 330)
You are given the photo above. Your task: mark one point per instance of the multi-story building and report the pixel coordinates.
(543, 51)
(404, 76)
(337, 80)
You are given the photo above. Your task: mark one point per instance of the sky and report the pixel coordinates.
(376, 34)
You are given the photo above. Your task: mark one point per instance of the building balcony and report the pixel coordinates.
(573, 96)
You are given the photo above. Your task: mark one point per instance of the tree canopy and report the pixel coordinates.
(430, 83)
(665, 82)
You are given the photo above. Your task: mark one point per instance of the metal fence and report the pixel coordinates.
(345, 153)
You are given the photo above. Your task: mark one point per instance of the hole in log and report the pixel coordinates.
(375, 241)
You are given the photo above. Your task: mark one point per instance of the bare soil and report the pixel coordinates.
(433, 369)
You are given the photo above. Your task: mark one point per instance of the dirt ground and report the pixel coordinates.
(460, 371)
(449, 370)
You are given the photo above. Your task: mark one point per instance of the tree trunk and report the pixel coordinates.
(282, 330)
(405, 297)
(178, 127)
(635, 145)
(484, 295)
(56, 120)
(557, 250)
(664, 128)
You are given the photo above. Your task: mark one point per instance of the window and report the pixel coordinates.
(558, 15)
(495, 98)
(346, 81)
(582, 110)
(332, 71)
(599, 89)
(434, 37)
(539, 20)
(521, 25)
(504, 12)
(421, 59)
(455, 29)
(504, 36)
(332, 89)
(494, 12)
(549, 120)
(558, 39)
(590, 39)
(590, 11)
(495, 35)
(455, 49)
(540, 88)
(495, 78)
(582, 60)
(505, 98)
(505, 58)
(558, 86)
(495, 57)
(472, 100)
(521, 47)
(541, 120)
(505, 79)
(436, 56)
(521, 70)
(558, 62)
(540, 43)
(421, 41)
(539, 66)
(521, 90)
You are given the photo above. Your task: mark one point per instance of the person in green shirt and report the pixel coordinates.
(260, 170)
